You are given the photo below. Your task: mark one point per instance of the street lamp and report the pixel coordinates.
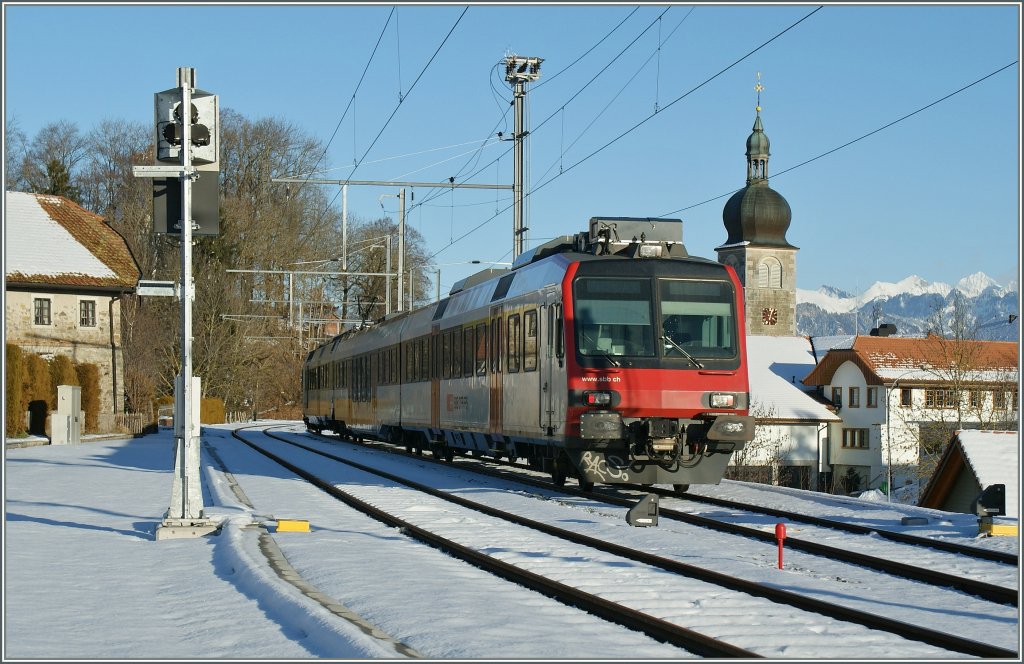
(888, 436)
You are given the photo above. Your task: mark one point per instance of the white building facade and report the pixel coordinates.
(899, 399)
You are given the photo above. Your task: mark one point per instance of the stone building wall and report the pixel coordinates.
(99, 344)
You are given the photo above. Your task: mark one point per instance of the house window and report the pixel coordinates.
(999, 399)
(855, 438)
(940, 399)
(41, 311)
(906, 397)
(872, 397)
(87, 313)
(854, 397)
(837, 396)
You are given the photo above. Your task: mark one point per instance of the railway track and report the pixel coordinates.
(661, 630)
(903, 538)
(923, 574)
(654, 627)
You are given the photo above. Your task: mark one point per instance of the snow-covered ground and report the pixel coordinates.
(84, 577)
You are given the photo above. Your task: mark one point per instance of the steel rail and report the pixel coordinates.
(988, 591)
(839, 612)
(903, 538)
(661, 630)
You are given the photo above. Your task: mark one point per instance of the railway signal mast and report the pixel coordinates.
(518, 71)
(186, 134)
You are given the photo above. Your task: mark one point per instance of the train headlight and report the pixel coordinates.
(597, 398)
(720, 400)
(650, 251)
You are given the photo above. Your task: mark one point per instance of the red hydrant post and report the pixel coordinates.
(780, 534)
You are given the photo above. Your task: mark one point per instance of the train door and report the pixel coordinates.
(495, 375)
(435, 376)
(550, 345)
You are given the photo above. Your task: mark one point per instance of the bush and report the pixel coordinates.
(62, 372)
(211, 411)
(14, 401)
(89, 379)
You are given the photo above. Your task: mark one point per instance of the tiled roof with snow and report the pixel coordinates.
(994, 456)
(777, 365)
(53, 241)
(824, 344)
(884, 359)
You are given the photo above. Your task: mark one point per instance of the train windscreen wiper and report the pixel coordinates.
(680, 349)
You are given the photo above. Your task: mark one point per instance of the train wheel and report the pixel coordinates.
(681, 488)
(586, 486)
(449, 454)
(558, 476)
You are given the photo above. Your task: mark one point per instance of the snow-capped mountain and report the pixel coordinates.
(909, 304)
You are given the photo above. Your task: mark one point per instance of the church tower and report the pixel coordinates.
(756, 219)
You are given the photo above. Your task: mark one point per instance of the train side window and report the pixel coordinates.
(424, 358)
(530, 340)
(468, 351)
(434, 356)
(481, 349)
(514, 335)
(446, 354)
(496, 345)
(559, 334)
(456, 352)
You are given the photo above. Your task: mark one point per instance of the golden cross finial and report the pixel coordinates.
(759, 87)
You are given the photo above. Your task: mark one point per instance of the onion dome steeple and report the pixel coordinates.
(757, 214)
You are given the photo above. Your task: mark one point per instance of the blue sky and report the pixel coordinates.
(936, 194)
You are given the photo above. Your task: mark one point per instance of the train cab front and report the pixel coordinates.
(657, 376)
(617, 446)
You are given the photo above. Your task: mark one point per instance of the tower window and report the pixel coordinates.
(769, 273)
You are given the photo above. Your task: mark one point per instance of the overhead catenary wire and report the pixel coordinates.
(637, 125)
(601, 71)
(611, 101)
(354, 93)
(851, 142)
(432, 194)
(401, 100)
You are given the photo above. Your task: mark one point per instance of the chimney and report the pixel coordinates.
(883, 330)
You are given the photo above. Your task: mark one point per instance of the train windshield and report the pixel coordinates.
(697, 318)
(613, 317)
(681, 319)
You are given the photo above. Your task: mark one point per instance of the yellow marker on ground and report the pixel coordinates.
(292, 525)
(991, 527)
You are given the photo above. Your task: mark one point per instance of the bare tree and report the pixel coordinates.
(51, 163)
(15, 150)
(761, 460)
(972, 385)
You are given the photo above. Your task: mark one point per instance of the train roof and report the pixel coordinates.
(609, 238)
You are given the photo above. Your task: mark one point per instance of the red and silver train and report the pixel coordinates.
(611, 355)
